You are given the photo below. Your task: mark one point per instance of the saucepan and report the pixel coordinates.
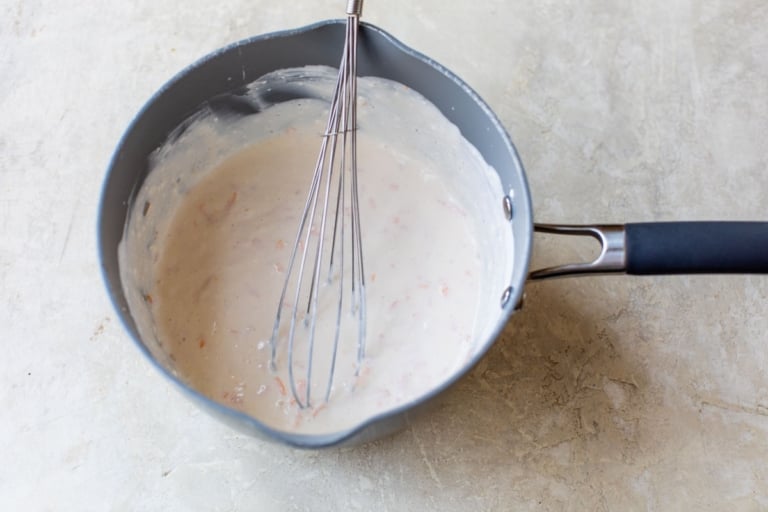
(649, 248)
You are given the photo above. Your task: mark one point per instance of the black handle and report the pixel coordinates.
(697, 248)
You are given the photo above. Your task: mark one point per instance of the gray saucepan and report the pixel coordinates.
(650, 248)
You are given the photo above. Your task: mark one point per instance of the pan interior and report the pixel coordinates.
(204, 258)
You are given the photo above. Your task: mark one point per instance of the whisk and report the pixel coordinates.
(334, 181)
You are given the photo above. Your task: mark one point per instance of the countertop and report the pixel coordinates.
(603, 393)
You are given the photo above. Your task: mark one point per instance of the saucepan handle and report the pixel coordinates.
(656, 248)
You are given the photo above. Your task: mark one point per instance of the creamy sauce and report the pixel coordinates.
(206, 249)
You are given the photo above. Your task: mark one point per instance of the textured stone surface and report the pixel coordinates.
(610, 393)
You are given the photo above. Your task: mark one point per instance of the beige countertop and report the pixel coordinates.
(607, 393)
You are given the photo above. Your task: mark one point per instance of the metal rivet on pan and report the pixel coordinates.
(506, 295)
(508, 212)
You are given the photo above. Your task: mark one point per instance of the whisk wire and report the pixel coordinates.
(358, 271)
(342, 121)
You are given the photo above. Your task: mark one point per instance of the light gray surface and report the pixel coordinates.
(608, 393)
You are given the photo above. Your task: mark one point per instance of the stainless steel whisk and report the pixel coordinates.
(336, 168)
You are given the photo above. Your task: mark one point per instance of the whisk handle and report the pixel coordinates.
(354, 7)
